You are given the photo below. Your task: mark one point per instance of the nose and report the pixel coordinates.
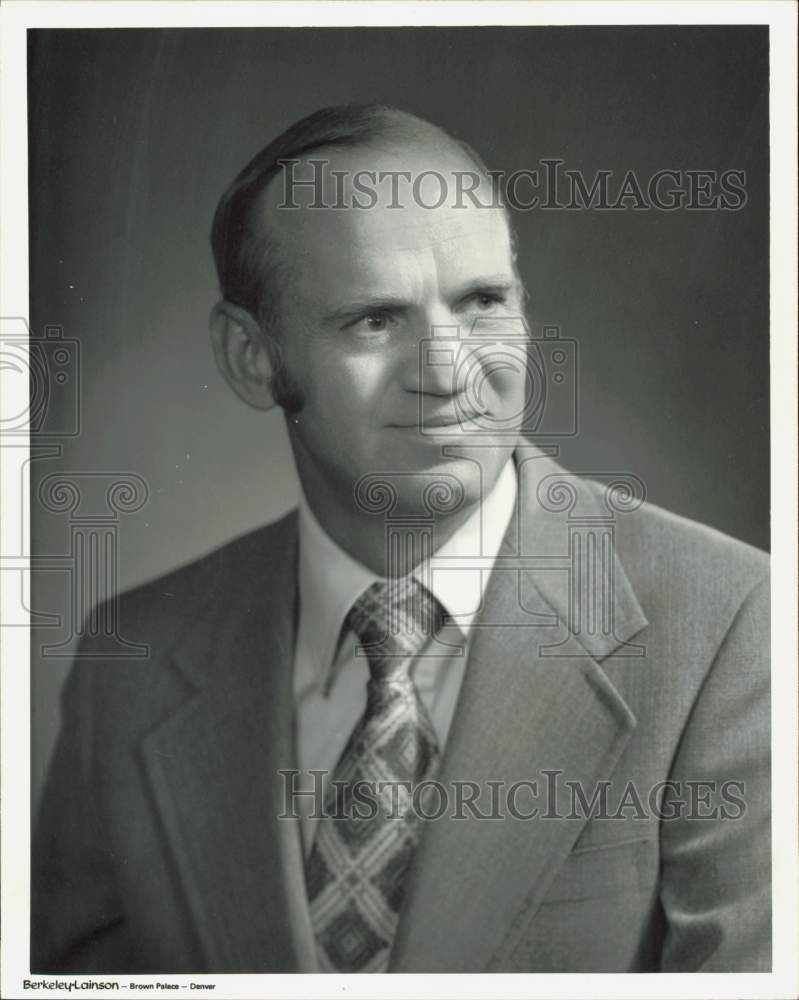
(431, 363)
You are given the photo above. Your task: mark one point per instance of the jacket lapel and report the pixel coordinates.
(213, 770)
(533, 699)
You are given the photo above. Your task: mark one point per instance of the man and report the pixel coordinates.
(580, 678)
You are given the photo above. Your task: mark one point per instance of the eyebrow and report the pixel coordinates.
(490, 283)
(360, 307)
(394, 303)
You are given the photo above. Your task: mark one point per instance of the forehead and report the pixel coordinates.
(403, 233)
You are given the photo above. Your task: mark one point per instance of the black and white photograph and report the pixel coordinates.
(399, 500)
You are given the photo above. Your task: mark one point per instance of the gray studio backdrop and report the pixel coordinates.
(134, 135)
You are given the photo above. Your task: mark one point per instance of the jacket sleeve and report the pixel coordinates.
(716, 874)
(77, 922)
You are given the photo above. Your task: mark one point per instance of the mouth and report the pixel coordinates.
(444, 420)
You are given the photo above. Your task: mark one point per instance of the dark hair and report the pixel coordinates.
(240, 240)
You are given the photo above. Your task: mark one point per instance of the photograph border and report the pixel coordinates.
(15, 19)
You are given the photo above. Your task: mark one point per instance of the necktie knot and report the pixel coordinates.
(394, 619)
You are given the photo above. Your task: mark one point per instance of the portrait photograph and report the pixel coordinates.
(399, 500)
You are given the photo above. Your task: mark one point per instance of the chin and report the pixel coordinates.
(437, 480)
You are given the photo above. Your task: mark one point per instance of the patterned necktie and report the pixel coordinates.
(355, 874)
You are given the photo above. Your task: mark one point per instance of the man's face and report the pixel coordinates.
(365, 295)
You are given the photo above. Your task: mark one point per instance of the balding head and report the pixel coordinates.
(245, 228)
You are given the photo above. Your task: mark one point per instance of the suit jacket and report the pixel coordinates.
(158, 847)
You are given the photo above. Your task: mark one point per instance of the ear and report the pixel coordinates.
(241, 355)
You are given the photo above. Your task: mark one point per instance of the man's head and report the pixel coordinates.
(342, 249)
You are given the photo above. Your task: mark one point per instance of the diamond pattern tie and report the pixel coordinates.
(355, 873)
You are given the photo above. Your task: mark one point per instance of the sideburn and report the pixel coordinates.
(285, 391)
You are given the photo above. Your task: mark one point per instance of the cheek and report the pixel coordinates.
(345, 386)
(502, 372)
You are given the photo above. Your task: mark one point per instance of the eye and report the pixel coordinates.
(369, 323)
(485, 301)
(375, 322)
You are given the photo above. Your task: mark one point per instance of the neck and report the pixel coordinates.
(386, 549)
(404, 519)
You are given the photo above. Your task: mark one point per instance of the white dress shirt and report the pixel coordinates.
(330, 681)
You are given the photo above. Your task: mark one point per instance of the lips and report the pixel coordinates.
(446, 419)
(451, 419)
(453, 413)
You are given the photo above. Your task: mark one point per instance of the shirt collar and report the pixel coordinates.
(460, 588)
(330, 580)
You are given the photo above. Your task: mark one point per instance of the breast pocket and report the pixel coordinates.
(601, 870)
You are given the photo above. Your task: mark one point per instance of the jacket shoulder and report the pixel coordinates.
(670, 543)
(163, 604)
(687, 574)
